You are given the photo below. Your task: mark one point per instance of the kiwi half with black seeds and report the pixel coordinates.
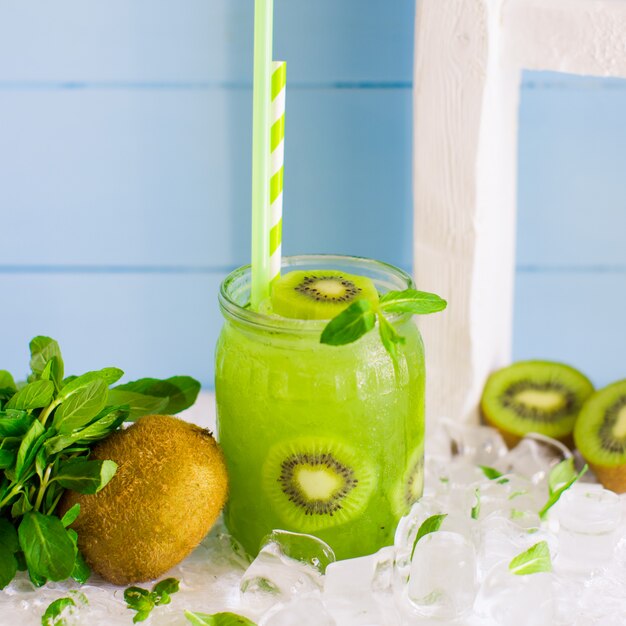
(314, 483)
(600, 435)
(535, 396)
(319, 294)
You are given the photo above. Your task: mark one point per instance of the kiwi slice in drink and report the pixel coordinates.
(315, 483)
(600, 435)
(319, 294)
(409, 489)
(535, 396)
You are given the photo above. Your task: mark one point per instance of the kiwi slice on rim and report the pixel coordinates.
(411, 486)
(600, 435)
(315, 483)
(319, 294)
(535, 396)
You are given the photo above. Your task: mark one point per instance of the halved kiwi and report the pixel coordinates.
(411, 486)
(535, 396)
(319, 294)
(600, 435)
(316, 483)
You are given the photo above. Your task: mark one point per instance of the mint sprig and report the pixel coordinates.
(48, 425)
(361, 316)
(533, 561)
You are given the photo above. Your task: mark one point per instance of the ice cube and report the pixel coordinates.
(299, 612)
(589, 520)
(533, 457)
(501, 539)
(443, 576)
(514, 600)
(289, 564)
(362, 575)
(480, 445)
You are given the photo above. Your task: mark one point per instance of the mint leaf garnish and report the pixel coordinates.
(533, 561)
(143, 601)
(360, 317)
(389, 336)
(429, 525)
(350, 325)
(217, 619)
(412, 301)
(561, 478)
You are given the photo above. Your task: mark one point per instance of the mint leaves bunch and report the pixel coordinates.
(361, 316)
(48, 425)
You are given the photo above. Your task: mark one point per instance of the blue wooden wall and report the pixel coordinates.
(125, 166)
(571, 248)
(125, 163)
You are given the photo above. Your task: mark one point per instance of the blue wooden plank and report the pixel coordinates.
(576, 318)
(200, 40)
(148, 325)
(161, 178)
(572, 206)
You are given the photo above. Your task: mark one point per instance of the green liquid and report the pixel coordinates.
(273, 388)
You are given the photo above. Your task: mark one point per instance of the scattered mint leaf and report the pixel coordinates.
(164, 589)
(559, 488)
(561, 474)
(493, 474)
(350, 325)
(48, 549)
(533, 561)
(70, 515)
(412, 301)
(86, 477)
(54, 614)
(476, 508)
(143, 601)
(217, 619)
(429, 525)
(389, 336)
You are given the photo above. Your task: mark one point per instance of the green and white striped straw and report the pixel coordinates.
(277, 165)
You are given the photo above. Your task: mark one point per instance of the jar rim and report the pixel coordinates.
(263, 321)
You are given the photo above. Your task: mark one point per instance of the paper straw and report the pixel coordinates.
(260, 257)
(279, 77)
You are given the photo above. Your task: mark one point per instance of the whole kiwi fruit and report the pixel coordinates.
(169, 488)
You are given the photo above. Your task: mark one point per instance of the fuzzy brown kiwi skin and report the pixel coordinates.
(169, 488)
(512, 440)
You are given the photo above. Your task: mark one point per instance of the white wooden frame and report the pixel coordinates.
(469, 55)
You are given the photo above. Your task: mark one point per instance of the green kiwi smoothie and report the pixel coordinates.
(319, 439)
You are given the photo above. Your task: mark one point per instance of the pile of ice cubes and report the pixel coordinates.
(457, 575)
